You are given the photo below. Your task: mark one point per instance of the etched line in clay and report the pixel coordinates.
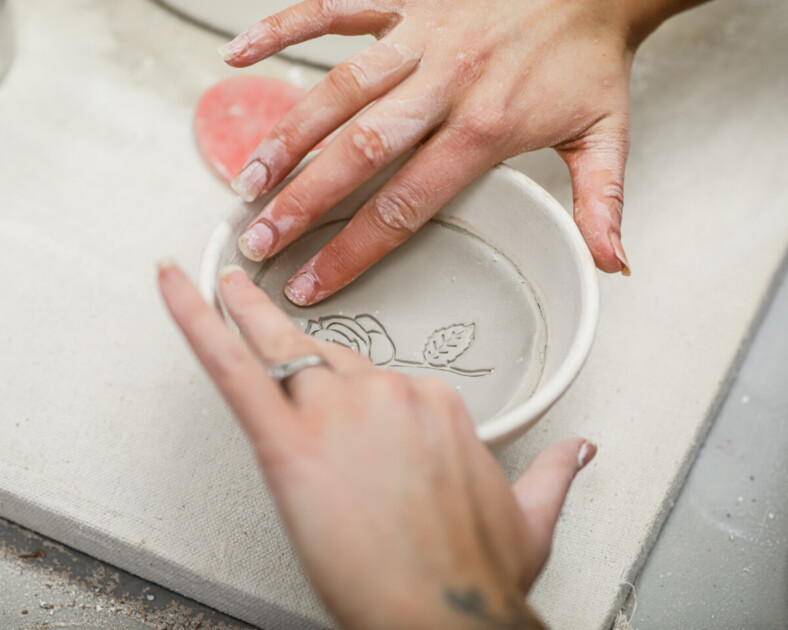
(366, 335)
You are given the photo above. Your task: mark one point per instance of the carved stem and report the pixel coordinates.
(426, 366)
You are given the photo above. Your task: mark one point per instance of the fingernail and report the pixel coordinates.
(250, 183)
(226, 271)
(257, 241)
(165, 263)
(615, 241)
(301, 289)
(585, 454)
(232, 49)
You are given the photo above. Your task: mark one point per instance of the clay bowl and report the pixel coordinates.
(497, 295)
(6, 38)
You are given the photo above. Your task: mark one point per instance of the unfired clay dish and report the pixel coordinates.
(497, 295)
(6, 38)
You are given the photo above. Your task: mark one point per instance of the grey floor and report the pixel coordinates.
(721, 561)
(46, 585)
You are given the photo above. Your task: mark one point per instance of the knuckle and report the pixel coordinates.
(613, 148)
(370, 146)
(396, 387)
(613, 194)
(437, 387)
(469, 64)
(282, 456)
(447, 404)
(610, 136)
(397, 212)
(284, 137)
(328, 8)
(581, 112)
(620, 137)
(276, 25)
(340, 262)
(396, 381)
(295, 203)
(485, 127)
(347, 78)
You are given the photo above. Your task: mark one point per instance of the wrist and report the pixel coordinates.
(487, 609)
(454, 605)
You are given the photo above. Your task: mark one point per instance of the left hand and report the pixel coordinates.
(400, 515)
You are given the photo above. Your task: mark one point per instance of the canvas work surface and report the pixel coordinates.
(114, 442)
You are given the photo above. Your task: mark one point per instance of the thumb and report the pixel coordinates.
(541, 491)
(596, 164)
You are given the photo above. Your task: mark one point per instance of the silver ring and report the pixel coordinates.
(282, 371)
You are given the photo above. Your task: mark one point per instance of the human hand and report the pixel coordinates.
(400, 515)
(476, 83)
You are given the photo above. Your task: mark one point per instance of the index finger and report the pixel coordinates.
(255, 398)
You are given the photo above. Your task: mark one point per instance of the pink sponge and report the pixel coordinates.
(234, 115)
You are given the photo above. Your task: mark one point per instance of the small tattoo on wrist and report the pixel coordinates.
(472, 604)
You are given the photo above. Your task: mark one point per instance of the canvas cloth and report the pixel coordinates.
(113, 441)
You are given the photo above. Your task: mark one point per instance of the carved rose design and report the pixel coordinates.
(364, 334)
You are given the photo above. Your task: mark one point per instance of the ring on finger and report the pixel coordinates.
(286, 369)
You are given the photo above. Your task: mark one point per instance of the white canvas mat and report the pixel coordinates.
(112, 440)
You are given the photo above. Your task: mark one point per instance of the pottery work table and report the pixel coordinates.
(114, 442)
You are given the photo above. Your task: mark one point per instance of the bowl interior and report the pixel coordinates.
(497, 295)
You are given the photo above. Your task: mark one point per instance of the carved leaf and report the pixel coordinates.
(446, 344)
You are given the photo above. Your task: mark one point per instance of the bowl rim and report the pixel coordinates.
(516, 421)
